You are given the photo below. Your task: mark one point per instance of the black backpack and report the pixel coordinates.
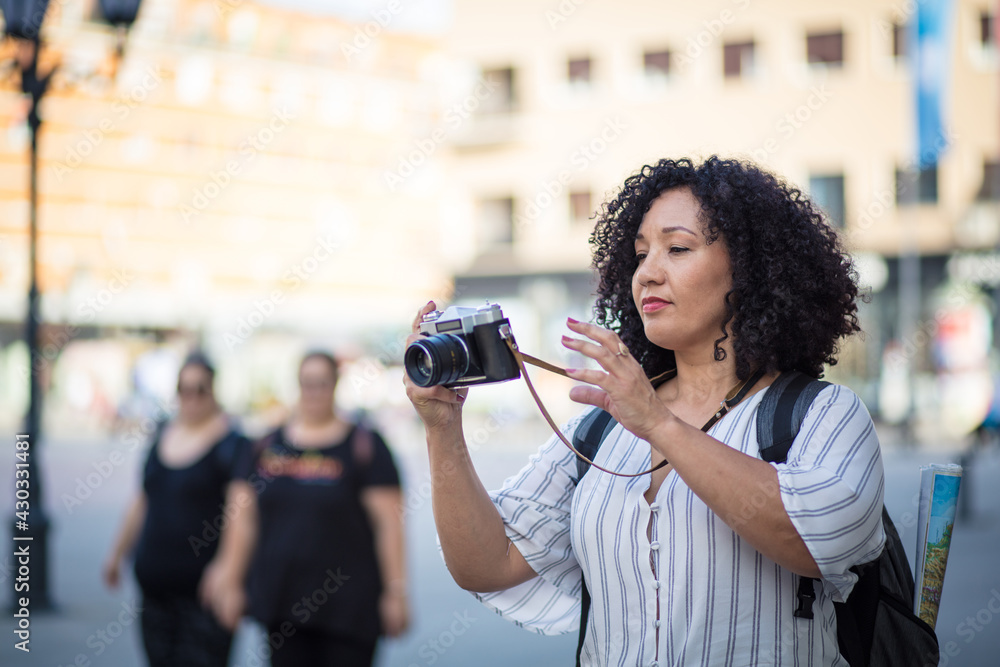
(876, 627)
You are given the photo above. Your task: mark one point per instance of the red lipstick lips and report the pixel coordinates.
(651, 304)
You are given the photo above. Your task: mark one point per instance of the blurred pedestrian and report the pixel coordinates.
(190, 557)
(328, 575)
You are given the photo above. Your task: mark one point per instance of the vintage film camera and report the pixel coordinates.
(462, 347)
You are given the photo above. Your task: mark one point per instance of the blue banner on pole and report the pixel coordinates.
(930, 35)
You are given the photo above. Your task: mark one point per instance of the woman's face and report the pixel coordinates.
(317, 382)
(680, 284)
(194, 391)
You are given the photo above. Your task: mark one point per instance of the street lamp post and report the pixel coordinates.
(23, 23)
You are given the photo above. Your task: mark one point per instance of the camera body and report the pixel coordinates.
(462, 347)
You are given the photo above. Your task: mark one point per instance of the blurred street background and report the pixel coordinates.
(257, 178)
(450, 628)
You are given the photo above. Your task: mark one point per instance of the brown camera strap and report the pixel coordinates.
(736, 394)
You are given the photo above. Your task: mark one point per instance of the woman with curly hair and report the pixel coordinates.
(714, 277)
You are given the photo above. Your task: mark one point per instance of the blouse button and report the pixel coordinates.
(654, 546)
(655, 507)
(657, 622)
(654, 664)
(656, 585)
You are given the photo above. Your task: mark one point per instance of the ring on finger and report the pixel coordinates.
(622, 350)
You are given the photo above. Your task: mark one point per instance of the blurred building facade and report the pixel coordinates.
(819, 93)
(225, 189)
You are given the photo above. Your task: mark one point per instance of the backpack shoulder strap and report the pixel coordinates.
(587, 439)
(781, 412)
(779, 417)
(589, 435)
(584, 617)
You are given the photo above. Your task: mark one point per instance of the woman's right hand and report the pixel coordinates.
(437, 406)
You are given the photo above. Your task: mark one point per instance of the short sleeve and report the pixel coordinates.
(832, 487)
(235, 457)
(381, 469)
(535, 508)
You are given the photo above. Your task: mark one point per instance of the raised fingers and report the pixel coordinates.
(605, 348)
(597, 352)
(605, 337)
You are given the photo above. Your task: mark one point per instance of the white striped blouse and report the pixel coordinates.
(693, 592)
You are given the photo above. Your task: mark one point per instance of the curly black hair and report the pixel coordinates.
(794, 289)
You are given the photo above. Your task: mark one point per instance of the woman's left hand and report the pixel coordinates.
(622, 387)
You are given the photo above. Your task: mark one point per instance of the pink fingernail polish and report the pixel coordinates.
(571, 320)
(567, 339)
(571, 370)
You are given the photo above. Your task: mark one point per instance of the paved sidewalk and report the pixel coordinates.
(97, 627)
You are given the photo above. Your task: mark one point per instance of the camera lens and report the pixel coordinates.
(436, 360)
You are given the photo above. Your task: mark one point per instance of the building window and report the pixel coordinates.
(656, 64)
(738, 59)
(503, 97)
(927, 187)
(990, 188)
(579, 71)
(825, 48)
(580, 205)
(496, 219)
(987, 38)
(899, 40)
(827, 191)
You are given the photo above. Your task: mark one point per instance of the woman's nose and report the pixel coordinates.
(649, 272)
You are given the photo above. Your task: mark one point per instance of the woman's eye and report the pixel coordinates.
(678, 248)
(639, 256)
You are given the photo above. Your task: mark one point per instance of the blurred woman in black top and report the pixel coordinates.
(328, 575)
(190, 556)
